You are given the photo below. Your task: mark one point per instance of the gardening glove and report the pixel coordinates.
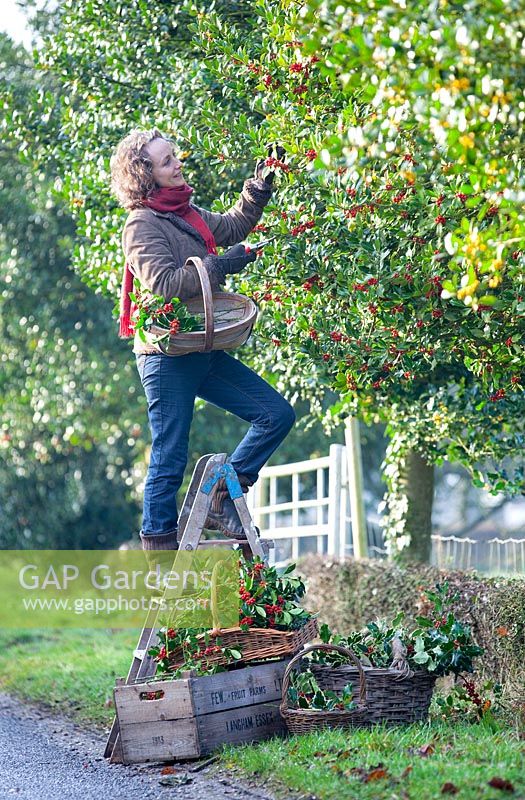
(274, 151)
(233, 260)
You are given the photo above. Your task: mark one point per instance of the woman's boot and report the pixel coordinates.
(222, 515)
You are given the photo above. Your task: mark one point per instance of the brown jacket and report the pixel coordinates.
(157, 245)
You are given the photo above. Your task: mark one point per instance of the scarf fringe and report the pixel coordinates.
(125, 331)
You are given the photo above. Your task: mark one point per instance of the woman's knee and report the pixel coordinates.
(286, 417)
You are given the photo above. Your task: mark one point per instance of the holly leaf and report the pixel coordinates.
(325, 633)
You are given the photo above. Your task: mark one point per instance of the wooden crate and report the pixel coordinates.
(193, 716)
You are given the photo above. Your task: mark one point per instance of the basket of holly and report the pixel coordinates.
(306, 706)
(220, 321)
(272, 623)
(401, 666)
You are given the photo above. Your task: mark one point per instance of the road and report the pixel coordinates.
(46, 757)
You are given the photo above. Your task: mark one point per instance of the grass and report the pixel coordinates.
(74, 671)
(71, 671)
(383, 763)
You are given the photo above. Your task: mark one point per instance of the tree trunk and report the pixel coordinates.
(416, 484)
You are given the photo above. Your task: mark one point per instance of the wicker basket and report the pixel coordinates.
(304, 720)
(256, 644)
(228, 320)
(394, 696)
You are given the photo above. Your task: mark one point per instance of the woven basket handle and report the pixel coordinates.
(399, 660)
(326, 648)
(208, 301)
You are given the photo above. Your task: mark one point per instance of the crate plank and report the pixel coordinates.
(159, 741)
(175, 704)
(246, 724)
(244, 687)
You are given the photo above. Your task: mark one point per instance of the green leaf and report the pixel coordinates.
(325, 633)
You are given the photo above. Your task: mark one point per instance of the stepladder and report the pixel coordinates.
(210, 472)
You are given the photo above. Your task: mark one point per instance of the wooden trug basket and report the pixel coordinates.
(228, 320)
(256, 644)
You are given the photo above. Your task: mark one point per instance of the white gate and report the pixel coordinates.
(303, 507)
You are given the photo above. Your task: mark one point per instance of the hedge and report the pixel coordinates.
(348, 594)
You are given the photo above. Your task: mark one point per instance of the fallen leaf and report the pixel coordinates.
(406, 772)
(427, 750)
(357, 771)
(501, 783)
(168, 771)
(175, 780)
(449, 788)
(377, 774)
(346, 753)
(502, 630)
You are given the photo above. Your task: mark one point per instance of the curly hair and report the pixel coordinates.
(131, 169)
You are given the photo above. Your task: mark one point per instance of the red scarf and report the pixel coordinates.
(176, 199)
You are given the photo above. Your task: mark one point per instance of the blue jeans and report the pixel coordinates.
(171, 384)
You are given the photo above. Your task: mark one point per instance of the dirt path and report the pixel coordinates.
(46, 757)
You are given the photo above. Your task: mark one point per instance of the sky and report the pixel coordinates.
(13, 22)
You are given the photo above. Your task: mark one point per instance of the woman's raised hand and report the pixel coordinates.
(263, 170)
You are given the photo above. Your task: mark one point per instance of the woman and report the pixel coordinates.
(163, 229)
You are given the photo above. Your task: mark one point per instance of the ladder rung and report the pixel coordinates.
(227, 542)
